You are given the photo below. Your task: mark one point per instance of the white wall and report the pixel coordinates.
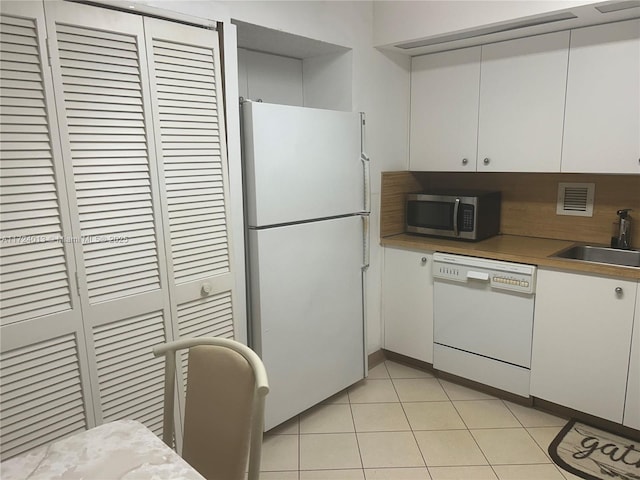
(328, 81)
(271, 78)
(321, 81)
(400, 21)
(380, 88)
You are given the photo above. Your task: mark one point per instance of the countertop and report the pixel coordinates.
(511, 248)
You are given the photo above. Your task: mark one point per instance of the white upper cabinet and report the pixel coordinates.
(602, 117)
(522, 94)
(444, 110)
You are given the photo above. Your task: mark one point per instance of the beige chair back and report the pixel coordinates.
(224, 411)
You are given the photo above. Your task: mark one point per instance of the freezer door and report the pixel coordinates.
(301, 163)
(307, 313)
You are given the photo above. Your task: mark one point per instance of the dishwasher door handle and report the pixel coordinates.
(478, 275)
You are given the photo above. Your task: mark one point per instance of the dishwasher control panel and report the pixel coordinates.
(499, 275)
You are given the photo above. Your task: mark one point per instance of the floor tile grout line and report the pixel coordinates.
(299, 445)
(472, 436)
(445, 392)
(424, 460)
(544, 451)
(514, 415)
(355, 433)
(413, 430)
(458, 413)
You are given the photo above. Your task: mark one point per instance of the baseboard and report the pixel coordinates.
(412, 362)
(376, 358)
(428, 367)
(566, 412)
(481, 387)
(558, 410)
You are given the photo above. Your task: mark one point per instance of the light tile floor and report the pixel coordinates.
(404, 424)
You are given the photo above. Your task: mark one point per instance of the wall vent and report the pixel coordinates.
(517, 25)
(616, 7)
(576, 199)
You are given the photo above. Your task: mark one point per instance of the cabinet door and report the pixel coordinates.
(632, 404)
(602, 118)
(444, 110)
(581, 341)
(407, 303)
(522, 93)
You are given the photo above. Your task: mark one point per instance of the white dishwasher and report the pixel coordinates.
(483, 320)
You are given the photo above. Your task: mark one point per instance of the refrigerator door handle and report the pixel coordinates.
(366, 248)
(366, 166)
(366, 163)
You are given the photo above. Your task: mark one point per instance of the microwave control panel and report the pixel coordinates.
(467, 218)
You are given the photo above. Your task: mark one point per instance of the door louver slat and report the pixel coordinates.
(102, 155)
(28, 221)
(210, 317)
(125, 346)
(36, 410)
(201, 205)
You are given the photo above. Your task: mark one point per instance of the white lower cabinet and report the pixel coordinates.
(582, 340)
(407, 303)
(632, 403)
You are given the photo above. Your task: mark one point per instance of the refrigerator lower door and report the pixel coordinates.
(307, 311)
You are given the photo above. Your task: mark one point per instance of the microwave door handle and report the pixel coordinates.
(456, 206)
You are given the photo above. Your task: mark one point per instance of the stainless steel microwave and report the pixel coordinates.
(462, 214)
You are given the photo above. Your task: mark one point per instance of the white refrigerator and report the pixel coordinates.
(306, 192)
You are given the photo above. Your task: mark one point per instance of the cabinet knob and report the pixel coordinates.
(619, 291)
(423, 260)
(206, 289)
(465, 161)
(486, 161)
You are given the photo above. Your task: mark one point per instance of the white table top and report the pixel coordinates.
(124, 450)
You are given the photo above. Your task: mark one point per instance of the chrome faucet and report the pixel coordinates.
(621, 237)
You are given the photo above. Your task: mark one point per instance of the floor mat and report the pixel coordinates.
(595, 454)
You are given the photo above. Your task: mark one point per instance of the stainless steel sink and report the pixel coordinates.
(590, 253)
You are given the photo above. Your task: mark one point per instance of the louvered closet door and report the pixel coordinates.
(43, 365)
(188, 114)
(100, 76)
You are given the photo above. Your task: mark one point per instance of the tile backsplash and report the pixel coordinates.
(528, 202)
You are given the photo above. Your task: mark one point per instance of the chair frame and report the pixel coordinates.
(169, 351)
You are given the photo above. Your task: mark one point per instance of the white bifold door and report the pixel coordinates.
(114, 213)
